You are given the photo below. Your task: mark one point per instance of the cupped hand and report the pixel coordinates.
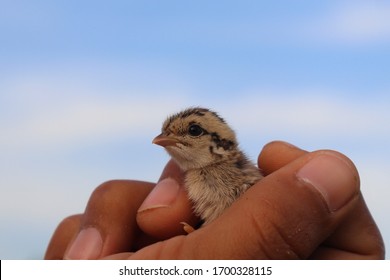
(308, 206)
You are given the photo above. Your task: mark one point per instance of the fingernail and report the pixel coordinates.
(162, 195)
(87, 245)
(332, 177)
(289, 145)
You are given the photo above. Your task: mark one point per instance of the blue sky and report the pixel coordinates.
(85, 86)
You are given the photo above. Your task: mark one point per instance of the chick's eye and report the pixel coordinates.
(195, 130)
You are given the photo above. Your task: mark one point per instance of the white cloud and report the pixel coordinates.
(375, 184)
(58, 116)
(75, 115)
(314, 112)
(351, 22)
(341, 24)
(84, 121)
(47, 113)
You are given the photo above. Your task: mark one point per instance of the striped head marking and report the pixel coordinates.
(197, 137)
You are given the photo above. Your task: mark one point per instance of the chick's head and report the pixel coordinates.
(196, 138)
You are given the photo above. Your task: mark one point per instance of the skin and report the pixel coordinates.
(279, 218)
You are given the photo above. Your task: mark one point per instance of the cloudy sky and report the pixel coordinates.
(85, 86)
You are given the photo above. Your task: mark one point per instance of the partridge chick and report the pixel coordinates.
(217, 172)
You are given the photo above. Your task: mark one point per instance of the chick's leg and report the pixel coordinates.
(187, 228)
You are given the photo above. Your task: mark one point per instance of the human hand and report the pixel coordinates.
(308, 206)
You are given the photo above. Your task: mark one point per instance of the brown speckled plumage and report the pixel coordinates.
(217, 172)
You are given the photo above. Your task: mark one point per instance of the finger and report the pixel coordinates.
(119, 256)
(367, 239)
(366, 242)
(166, 206)
(358, 237)
(286, 215)
(61, 238)
(277, 154)
(108, 225)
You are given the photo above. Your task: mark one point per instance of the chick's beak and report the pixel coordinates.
(165, 141)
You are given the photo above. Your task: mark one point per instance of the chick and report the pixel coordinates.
(217, 172)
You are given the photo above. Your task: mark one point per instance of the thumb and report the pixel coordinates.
(286, 215)
(167, 205)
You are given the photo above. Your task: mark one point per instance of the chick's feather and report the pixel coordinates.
(217, 172)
